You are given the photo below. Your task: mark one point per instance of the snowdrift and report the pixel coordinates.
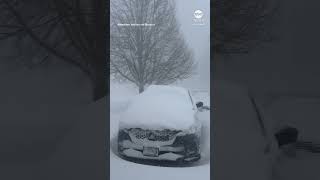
(160, 107)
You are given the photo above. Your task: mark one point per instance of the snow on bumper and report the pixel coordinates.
(137, 154)
(165, 152)
(129, 145)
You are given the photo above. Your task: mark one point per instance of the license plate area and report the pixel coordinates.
(150, 151)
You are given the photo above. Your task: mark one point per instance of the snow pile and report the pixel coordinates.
(120, 96)
(160, 107)
(38, 105)
(123, 170)
(204, 117)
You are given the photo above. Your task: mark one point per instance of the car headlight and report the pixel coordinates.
(123, 134)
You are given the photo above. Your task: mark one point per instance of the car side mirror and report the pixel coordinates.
(287, 135)
(199, 104)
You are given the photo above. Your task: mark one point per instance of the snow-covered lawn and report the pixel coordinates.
(302, 113)
(239, 145)
(123, 170)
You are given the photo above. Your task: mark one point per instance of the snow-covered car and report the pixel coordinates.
(161, 124)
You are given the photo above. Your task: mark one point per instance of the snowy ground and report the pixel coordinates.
(239, 146)
(123, 170)
(304, 114)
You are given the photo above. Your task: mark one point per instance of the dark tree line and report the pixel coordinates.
(240, 25)
(73, 31)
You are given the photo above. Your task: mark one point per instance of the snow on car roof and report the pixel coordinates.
(160, 107)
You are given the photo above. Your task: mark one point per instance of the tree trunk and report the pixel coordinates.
(141, 88)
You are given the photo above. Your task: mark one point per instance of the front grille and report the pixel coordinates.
(154, 135)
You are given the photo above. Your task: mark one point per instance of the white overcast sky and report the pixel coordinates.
(198, 39)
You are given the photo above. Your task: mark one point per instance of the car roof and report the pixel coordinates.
(161, 107)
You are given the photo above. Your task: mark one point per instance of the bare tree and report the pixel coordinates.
(146, 44)
(73, 31)
(239, 25)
